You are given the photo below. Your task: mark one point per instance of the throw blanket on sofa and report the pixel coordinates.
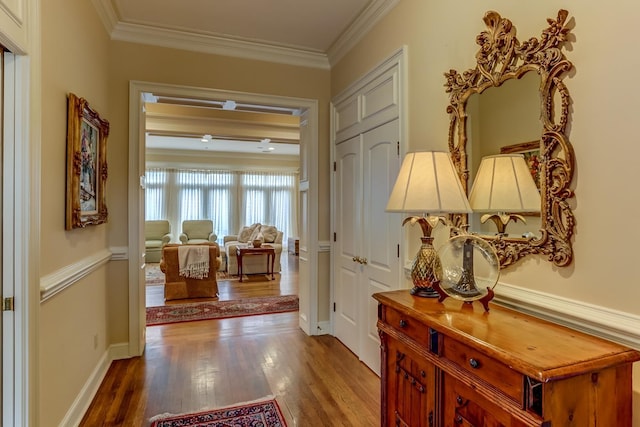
(193, 261)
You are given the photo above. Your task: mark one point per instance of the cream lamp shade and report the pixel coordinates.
(428, 183)
(504, 184)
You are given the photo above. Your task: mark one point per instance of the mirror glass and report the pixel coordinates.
(515, 100)
(505, 119)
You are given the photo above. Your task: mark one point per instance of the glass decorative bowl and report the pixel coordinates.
(470, 268)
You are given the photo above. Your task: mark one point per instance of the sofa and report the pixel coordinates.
(179, 287)
(268, 234)
(157, 234)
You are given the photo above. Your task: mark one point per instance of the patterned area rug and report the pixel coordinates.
(153, 275)
(265, 413)
(220, 309)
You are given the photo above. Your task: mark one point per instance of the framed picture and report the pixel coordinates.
(531, 153)
(86, 165)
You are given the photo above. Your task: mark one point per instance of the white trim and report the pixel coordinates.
(107, 14)
(61, 279)
(377, 10)
(610, 324)
(324, 246)
(217, 45)
(119, 253)
(81, 403)
(324, 328)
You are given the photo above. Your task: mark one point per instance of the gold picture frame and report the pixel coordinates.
(86, 165)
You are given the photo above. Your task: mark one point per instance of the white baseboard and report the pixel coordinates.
(324, 328)
(81, 403)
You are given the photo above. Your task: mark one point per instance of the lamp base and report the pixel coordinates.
(424, 292)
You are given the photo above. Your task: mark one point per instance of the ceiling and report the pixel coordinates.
(310, 33)
(314, 33)
(224, 126)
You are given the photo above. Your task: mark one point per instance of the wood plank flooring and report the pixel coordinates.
(258, 285)
(194, 366)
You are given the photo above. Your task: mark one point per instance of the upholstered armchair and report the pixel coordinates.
(197, 231)
(156, 235)
(179, 287)
(269, 235)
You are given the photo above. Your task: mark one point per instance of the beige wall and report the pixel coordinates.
(75, 52)
(441, 36)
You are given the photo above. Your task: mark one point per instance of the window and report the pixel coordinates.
(230, 199)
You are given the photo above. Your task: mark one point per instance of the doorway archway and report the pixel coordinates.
(308, 258)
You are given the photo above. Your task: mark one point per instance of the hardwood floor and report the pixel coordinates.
(200, 365)
(285, 283)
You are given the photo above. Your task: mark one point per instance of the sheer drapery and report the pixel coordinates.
(230, 199)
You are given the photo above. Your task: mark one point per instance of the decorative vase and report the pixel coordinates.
(257, 243)
(426, 270)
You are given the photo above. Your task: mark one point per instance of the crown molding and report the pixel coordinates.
(377, 10)
(107, 14)
(205, 43)
(217, 45)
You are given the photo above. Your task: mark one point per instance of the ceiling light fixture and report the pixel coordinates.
(229, 105)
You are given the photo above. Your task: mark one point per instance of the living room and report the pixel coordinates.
(223, 162)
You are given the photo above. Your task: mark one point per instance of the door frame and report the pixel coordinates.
(137, 324)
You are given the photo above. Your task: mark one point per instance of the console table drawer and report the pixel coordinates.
(510, 382)
(407, 325)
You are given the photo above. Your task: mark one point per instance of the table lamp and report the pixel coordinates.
(503, 187)
(427, 184)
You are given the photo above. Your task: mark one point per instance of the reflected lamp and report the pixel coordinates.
(427, 185)
(504, 187)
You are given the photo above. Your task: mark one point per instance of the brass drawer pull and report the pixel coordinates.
(474, 363)
(459, 419)
(459, 400)
(403, 323)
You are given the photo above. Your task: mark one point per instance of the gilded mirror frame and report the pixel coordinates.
(502, 57)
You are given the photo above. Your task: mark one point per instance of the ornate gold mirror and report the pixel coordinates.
(515, 100)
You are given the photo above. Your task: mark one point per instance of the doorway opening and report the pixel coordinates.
(307, 187)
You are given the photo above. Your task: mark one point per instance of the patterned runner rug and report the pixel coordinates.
(265, 413)
(220, 309)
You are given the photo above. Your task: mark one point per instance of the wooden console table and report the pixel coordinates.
(450, 364)
(267, 250)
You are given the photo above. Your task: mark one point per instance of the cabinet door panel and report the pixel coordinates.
(411, 388)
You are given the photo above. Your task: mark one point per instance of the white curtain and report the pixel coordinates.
(231, 199)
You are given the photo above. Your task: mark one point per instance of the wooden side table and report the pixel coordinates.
(267, 250)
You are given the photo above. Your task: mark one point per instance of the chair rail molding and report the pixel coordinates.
(603, 322)
(59, 280)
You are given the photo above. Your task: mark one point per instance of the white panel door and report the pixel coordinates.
(381, 233)
(366, 249)
(347, 198)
